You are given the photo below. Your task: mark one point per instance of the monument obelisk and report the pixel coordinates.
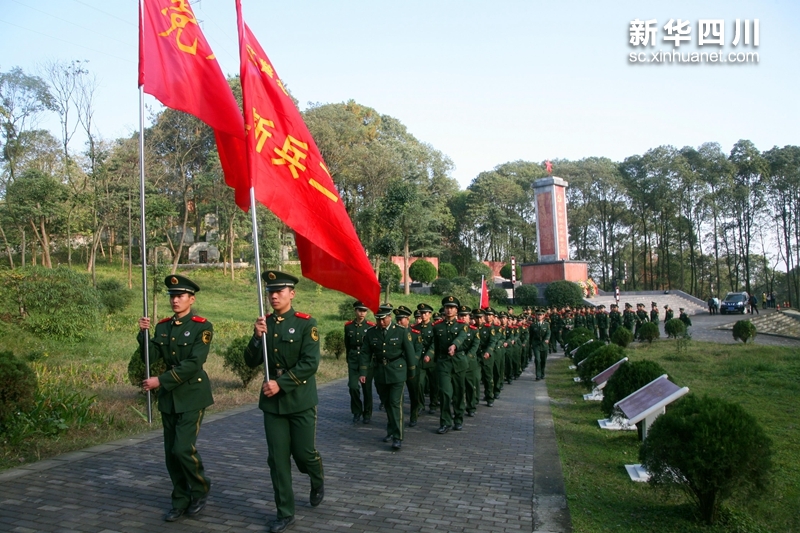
(552, 237)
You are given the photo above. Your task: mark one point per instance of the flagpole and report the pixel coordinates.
(143, 239)
(258, 277)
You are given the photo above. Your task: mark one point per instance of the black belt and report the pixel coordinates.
(387, 361)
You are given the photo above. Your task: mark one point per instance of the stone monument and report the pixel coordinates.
(552, 238)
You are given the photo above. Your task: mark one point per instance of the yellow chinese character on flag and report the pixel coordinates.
(261, 130)
(291, 154)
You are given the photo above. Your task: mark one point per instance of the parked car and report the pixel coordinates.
(734, 302)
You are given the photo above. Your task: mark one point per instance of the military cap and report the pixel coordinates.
(539, 311)
(417, 313)
(477, 312)
(277, 280)
(358, 305)
(502, 314)
(489, 311)
(424, 308)
(627, 305)
(402, 311)
(680, 309)
(177, 284)
(510, 308)
(601, 306)
(450, 301)
(440, 311)
(666, 306)
(653, 304)
(639, 305)
(384, 310)
(464, 310)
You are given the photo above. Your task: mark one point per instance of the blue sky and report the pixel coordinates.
(484, 82)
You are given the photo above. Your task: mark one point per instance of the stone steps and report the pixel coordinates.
(775, 323)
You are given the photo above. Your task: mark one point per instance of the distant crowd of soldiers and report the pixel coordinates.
(444, 359)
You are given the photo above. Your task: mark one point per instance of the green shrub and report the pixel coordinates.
(390, 275)
(744, 331)
(422, 270)
(346, 311)
(233, 358)
(136, 368)
(562, 293)
(675, 328)
(498, 295)
(505, 271)
(711, 449)
(576, 341)
(114, 295)
(461, 281)
(586, 349)
(526, 295)
(334, 343)
(622, 337)
(577, 332)
(628, 378)
(648, 332)
(59, 303)
(17, 386)
(478, 270)
(447, 271)
(597, 361)
(441, 286)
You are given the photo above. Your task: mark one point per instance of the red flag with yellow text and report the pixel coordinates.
(177, 66)
(291, 179)
(484, 294)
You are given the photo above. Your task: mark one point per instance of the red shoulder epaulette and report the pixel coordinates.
(199, 319)
(164, 320)
(370, 323)
(461, 321)
(438, 321)
(348, 323)
(487, 325)
(302, 315)
(268, 315)
(472, 327)
(415, 330)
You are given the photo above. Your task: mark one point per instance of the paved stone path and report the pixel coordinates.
(484, 478)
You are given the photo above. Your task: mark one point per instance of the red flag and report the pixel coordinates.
(292, 180)
(484, 294)
(177, 66)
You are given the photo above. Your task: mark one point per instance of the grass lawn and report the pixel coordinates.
(765, 380)
(97, 366)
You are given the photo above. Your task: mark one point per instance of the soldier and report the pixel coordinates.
(353, 341)
(426, 370)
(614, 320)
(602, 320)
(500, 353)
(540, 338)
(556, 325)
(512, 351)
(472, 378)
(389, 350)
(640, 318)
(289, 398)
(628, 317)
(684, 317)
(402, 316)
(184, 392)
(669, 314)
(449, 338)
(654, 312)
(580, 318)
(488, 341)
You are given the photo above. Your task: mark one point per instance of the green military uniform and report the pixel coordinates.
(669, 314)
(556, 323)
(500, 351)
(450, 369)
(580, 319)
(427, 370)
(412, 382)
(488, 335)
(614, 320)
(628, 317)
(641, 318)
(654, 313)
(353, 341)
(472, 378)
(684, 317)
(602, 319)
(540, 338)
(184, 393)
(390, 352)
(290, 416)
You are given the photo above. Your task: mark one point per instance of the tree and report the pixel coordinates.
(422, 270)
(36, 200)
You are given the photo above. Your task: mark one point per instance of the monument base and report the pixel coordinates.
(535, 273)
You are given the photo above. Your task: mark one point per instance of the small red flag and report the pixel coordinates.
(177, 66)
(484, 294)
(291, 179)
